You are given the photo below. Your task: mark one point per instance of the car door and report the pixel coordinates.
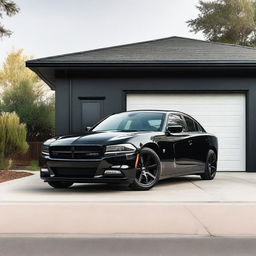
(177, 147)
(183, 152)
(197, 144)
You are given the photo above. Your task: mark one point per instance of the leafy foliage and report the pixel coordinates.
(9, 8)
(14, 70)
(228, 21)
(13, 138)
(25, 94)
(38, 115)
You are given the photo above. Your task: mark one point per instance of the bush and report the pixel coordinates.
(12, 138)
(37, 113)
(34, 165)
(23, 92)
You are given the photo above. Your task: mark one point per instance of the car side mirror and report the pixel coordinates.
(88, 128)
(175, 128)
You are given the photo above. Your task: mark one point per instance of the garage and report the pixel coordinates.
(220, 114)
(213, 82)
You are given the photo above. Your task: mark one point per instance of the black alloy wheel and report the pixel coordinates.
(210, 166)
(60, 184)
(148, 170)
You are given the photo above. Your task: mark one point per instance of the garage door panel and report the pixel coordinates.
(187, 108)
(224, 131)
(220, 114)
(222, 119)
(234, 152)
(227, 165)
(229, 142)
(227, 158)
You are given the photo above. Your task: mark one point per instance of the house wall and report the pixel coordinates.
(74, 85)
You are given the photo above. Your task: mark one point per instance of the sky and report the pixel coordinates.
(51, 27)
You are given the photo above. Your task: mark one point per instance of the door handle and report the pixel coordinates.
(190, 142)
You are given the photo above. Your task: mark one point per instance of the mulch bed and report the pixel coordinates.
(12, 175)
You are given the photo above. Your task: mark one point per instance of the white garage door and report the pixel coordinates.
(220, 114)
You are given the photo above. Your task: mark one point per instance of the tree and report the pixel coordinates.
(228, 21)
(13, 138)
(36, 113)
(24, 93)
(14, 70)
(9, 8)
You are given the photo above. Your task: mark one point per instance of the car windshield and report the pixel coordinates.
(132, 121)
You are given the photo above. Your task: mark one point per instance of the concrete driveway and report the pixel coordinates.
(227, 187)
(188, 205)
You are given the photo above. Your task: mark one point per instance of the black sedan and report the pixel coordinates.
(136, 147)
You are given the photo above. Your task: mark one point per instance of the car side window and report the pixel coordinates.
(198, 127)
(191, 125)
(174, 119)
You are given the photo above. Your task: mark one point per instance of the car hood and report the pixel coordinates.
(97, 138)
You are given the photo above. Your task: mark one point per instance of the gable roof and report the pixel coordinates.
(169, 50)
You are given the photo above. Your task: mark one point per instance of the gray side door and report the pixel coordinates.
(92, 112)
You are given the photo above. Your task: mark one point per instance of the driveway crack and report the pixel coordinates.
(196, 218)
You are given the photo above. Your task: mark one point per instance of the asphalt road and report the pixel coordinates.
(124, 245)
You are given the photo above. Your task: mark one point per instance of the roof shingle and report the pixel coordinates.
(166, 50)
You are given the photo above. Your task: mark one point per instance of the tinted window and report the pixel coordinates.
(198, 127)
(132, 121)
(174, 119)
(191, 126)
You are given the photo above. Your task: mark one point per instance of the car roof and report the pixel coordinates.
(157, 110)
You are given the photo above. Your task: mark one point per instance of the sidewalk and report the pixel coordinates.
(225, 206)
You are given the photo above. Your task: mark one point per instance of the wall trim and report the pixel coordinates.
(92, 98)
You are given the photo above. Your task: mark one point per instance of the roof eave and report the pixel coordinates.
(43, 77)
(201, 64)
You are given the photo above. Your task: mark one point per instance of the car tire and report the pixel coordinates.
(210, 166)
(60, 184)
(148, 170)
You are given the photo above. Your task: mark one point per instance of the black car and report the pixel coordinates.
(136, 147)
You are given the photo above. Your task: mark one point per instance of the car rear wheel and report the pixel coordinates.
(148, 170)
(210, 166)
(60, 184)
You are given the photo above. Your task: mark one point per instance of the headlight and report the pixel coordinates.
(120, 149)
(45, 150)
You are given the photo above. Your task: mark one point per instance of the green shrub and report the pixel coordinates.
(12, 138)
(33, 165)
(26, 100)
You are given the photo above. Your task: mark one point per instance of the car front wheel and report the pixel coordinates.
(148, 170)
(210, 166)
(60, 184)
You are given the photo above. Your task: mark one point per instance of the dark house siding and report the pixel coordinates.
(112, 91)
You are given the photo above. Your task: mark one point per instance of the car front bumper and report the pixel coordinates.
(89, 171)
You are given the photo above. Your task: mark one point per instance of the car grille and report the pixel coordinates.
(74, 172)
(76, 152)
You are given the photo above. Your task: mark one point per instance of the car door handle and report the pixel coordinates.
(190, 142)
